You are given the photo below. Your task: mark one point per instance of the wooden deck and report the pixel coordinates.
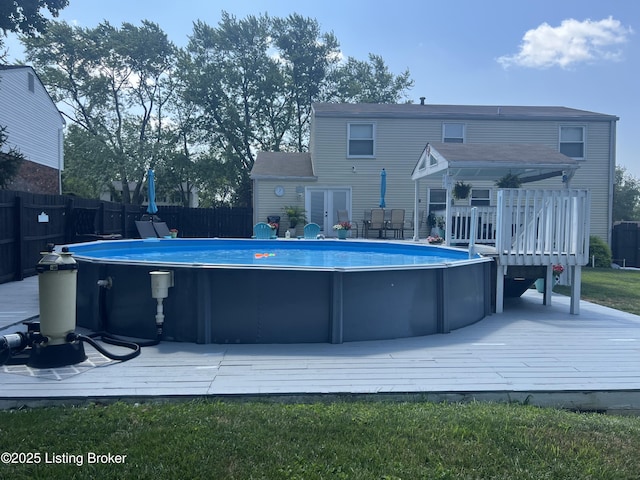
(531, 352)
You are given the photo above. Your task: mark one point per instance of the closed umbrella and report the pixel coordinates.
(152, 208)
(383, 187)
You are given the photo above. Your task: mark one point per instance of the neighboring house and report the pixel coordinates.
(34, 126)
(350, 144)
(175, 198)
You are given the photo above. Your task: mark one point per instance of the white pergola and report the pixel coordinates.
(484, 161)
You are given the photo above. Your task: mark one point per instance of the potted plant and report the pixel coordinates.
(342, 229)
(509, 180)
(461, 190)
(435, 239)
(296, 215)
(557, 271)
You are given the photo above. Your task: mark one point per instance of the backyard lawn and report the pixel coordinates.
(335, 439)
(332, 440)
(619, 289)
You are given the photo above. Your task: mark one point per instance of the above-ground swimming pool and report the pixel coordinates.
(281, 291)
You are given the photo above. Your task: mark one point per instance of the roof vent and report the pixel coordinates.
(422, 99)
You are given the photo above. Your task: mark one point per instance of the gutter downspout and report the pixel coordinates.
(612, 176)
(60, 159)
(416, 212)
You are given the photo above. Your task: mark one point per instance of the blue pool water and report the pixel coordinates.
(317, 254)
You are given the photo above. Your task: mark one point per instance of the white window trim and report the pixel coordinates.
(464, 131)
(584, 139)
(481, 188)
(374, 133)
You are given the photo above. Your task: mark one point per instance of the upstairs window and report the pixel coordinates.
(572, 141)
(453, 132)
(361, 139)
(31, 82)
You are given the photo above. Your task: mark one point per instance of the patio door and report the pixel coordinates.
(322, 205)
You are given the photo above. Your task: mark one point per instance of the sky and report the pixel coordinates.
(582, 54)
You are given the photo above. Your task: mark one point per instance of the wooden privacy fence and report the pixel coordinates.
(28, 222)
(626, 244)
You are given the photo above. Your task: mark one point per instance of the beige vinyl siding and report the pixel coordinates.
(267, 203)
(335, 169)
(399, 143)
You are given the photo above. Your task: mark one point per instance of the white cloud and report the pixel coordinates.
(571, 43)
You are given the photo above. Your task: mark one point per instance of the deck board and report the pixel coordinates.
(528, 348)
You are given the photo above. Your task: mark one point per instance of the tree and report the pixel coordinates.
(254, 80)
(9, 161)
(306, 55)
(23, 16)
(626, 196)
(368, 82)
(113, 84)
(233, 81)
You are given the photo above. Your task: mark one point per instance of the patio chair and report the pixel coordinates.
(396, 223)
(311, 231)
(263, 231)
(343, 216)
(145, 229)
(161, 229)
(85, 222)
(377, 221)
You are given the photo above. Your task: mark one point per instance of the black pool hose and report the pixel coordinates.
(107, 337)
(113, 341)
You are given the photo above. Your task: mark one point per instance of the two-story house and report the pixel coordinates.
(34, 127)
(351, 144)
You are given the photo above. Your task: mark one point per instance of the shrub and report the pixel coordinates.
(601, 251)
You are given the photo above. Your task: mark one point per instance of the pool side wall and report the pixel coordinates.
(218, 305)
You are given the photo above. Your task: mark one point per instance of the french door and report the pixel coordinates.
(322, 205)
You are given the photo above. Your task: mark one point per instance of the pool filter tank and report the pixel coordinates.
(57, 281)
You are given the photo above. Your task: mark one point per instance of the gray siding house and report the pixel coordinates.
(350, 145)
(34, 126)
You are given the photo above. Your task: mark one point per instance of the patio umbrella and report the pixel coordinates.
(152, 208)
(383, 187)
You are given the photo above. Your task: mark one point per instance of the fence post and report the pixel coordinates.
(19, 238)
(69, 223)
(101, 223)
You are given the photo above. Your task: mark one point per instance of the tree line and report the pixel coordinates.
(197, 115)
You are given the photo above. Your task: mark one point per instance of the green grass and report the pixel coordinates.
(619, 289)
(338, 440)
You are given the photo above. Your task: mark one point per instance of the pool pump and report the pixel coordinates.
(56, 345)
(52, 342)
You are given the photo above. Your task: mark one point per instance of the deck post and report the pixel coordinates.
(501, 272)
(548, 286)
(575, 273)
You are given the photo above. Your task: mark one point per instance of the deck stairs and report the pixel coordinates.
(531, 230)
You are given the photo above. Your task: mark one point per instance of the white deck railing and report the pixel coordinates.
(542, 227)
(460, 230)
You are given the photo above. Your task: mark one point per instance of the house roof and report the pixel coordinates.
(457, 112)
(485, 161)
(285, 165)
